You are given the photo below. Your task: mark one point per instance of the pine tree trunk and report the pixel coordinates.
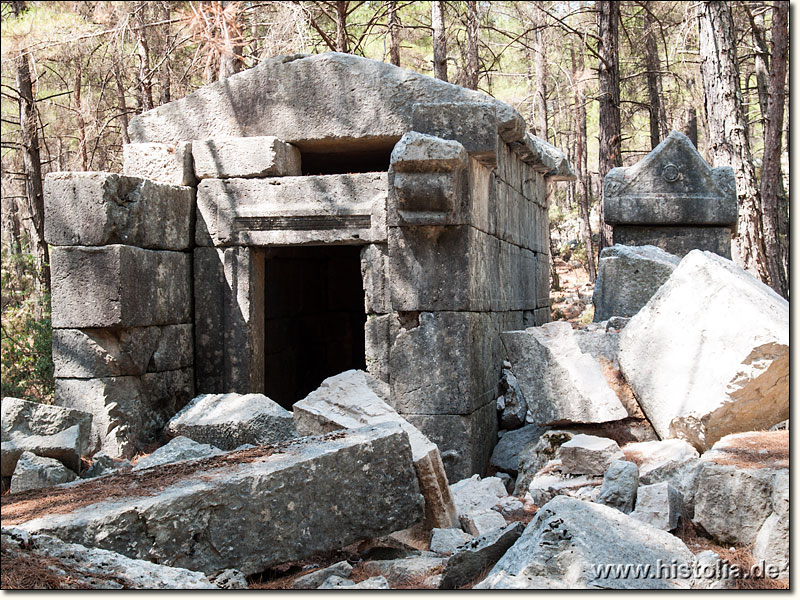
(29, 133)
(439, 41)
(580, 159)
(230, 57)
(471, 78)
(394, 35)
(689, 125)
(123, 105)
(540, 77)
(773, 198)
(658, 115)
(728, 143)
(608, 96)
(82, 141)
(761, 59)
(165, 76)
(341, 27)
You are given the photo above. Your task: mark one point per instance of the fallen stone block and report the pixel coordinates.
(560, 383)
(229, 420)
(533, 458)
(349, 400)
(737, 482)
(588, 454)
(708, 573)
(35, 472)
(103, 464)
(552, 481)
(165, 163)
(310, 495)
(511, 406)
(511, 447)
(78, 567)
(479, 554)
(571, 542)
(48, 431)
(627, 277)
(480, 523)
(404, 571)
(338, 583)
(476, 495)
(695, 376)
(261, 156)
(658, 504)
(177, 449)
(313, 580)
(83, 298)
(446, 541)
(620, 483)
(230, 579)
(97, 209)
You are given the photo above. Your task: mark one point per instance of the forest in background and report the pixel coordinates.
(605, 82)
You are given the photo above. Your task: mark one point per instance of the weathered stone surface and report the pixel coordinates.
(544, 158)
(309, 496)
(338, 583)
(658, 504)
(446, 541)
(261, 156)
(473, 124)
(316, 578)
(708, 573)
(535, 457)
(374, 260)
(165, 163)
(230, 579)
(511, 406)
(553, 480)
(177, 449)
(348, 400)
(478, 554)
(127, 412)
(93, 568)
(476, 495)
(742, 481)
(343, 208)
(34, 472)
(627, 278)
(403, 571)
(568, 539)
(672, 185)
(86, 353)
(695, 376)
(96, 209)
(229, 420)
(290, 92)
(676, 240)
(772, 543)
(103, 464)
(420, 153)
(560, 383)
(48, 431)
(588, 454)
(513, 445)
(119, 286)
(480, 523)
(620, 483)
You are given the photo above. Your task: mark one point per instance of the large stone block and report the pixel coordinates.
(377, 331)
(473, 124)
(119, 286)
(628, 277)
(87, 353)
(128, 412)
(35, 472)
(49, 431)
(672, 185)
(262, 156)
(676, 240)
(313, 495)
(560, 383)
(569, 540)
(709, 354)
(344, 209)
(285, 96)
(165, 163)
(374, 267)
(347, 401)
(465, 441)
(420, 153)
(444, 362)
(97, 209)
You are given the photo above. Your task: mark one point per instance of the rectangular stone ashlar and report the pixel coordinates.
(261, 156)
(247, 511)
(96, 209)
(293, 210)
(103, 352)
(128, 412)
(374, 266)
(165, 163)
(473, 124)
(119, 286)
(229, 319)
(377, 332)
(676, 240)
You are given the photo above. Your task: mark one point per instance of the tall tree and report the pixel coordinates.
(658, 114)
(439, 40)
(608, 99)
(540, 75)
(471, 70)
(394, 34)
(773, 198)
(728, 142)
(581, 154)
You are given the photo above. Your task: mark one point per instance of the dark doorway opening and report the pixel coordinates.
(314, 318)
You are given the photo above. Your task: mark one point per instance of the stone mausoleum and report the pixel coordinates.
(310, 215)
